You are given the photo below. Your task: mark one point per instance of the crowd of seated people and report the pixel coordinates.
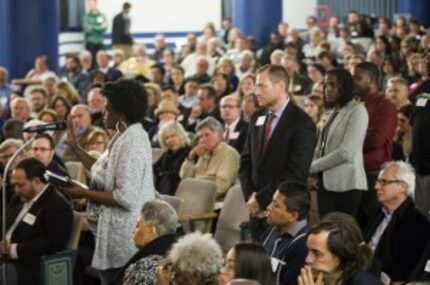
(210, 108)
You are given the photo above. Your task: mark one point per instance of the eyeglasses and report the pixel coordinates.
(42, 149)
(385, 182)
(228, 106)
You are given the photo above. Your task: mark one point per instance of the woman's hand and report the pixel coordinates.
(71, 137)
(74, 191)
(306, 277)
(164, 272)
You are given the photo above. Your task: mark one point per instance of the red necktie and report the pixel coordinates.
(267, 129)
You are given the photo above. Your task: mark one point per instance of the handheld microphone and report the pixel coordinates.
(48, 127)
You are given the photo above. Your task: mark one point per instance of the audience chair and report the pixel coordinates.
(199, 201)
(76, 231)
(75, 170)
(233, 213)
(175, 202)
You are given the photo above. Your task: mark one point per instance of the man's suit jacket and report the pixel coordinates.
(238, 136)
(401, 245)
(288, 155)
(112, 74)
(342, 164)
(46, 233)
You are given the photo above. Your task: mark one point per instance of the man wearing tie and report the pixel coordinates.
(38, 222)
(280, 144)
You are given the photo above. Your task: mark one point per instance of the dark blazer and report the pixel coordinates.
(118, 31)
(112, 74)
(241, 130)
(403, 241)
(49, 233)
(363, 278)
(288, 156)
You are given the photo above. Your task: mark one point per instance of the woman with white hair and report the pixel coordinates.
(194, 260)
(154, 236)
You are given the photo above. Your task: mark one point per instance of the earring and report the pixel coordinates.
(120, 125)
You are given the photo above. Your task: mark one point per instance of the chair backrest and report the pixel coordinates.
(175, 202)
(157, 152)
(75, 170)
(233, 213)
(198, 196)
(76, 231)
(58, 268)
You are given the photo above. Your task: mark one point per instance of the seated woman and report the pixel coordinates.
(195, 260)
(174, 139)
(154, 236)
(247, 261)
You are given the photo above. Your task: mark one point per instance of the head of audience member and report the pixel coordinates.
(221, 84)
(207, 97)
(276, 56)
(191, 87)
(318, 89)
(12, 128)
(173, 137)
(85, 60)
(68, 91)
(61, 106)
(50, 85)
(48, 116)
(290, 64)
(20, 109)
(271, 87)
(38, 99)
(230, 109)
(233, 34)
(214, 45)
(325, 59)
(43, 148)
(397, 92)
(395, 183)
(290, 204)
(210, 133)
(97, 141)
(41, 64)
(4, 76)
(404, 125)
(157, 74)
(336, 250)
(353, 60)
(316, 72)
(246, 60)
(248, 261)
(376, 57)
(166, 111)
(72, 63)
(389, 67)
(208, 32)
(202, 66)
(96, 101)
(366, 78)
(157, 218)
(169, 57)
(314, 107)
(92, 6)
(139, 51)
(246, 85)
(338, 88)
(202, 48)
(177, 74)
(153, 92)
(32, 123)
(159, 42)
(118, 57)
(102, 59)
(169, 93)
(196, 260)
(192, 41)
(423, 67)
(384, 26)
(28, 178)
(81, 118)
(248, 105)
(226, 65)
(8, 148)
(127, 101)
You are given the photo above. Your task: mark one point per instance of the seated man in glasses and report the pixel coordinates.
(399, 232)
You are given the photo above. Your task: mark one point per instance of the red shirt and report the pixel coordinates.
(378, 144)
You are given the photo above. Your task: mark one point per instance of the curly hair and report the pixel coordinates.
(128, 97)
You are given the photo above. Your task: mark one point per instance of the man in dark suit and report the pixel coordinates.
(279, 147)
(121, 37)
(38, 221)
(236, 129)
(398, 233)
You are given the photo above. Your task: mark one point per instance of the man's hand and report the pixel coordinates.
(306, 277)
(253, 206)
(196, 112)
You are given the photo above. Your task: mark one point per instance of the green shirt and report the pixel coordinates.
(93, 27)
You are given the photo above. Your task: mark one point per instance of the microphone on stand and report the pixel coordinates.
(48, 127)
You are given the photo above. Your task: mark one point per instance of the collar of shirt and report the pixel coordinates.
(104, 70)
(368, 100)
(387, 214)
(233, 125)
(38, 195)
(281, 110)
(297, 227)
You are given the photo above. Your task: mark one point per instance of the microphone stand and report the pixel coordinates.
(6, 169)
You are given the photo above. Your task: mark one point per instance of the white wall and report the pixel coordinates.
(295, 12)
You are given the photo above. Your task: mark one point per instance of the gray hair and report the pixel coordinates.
(176, 128)
(161, 215)
(404, 172)
(10, 143)
(212, 124)
(246, 53)
(399, 80)
(197, 255)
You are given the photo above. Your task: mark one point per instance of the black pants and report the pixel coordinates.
(369, 202)
(345, 202)
(93, 49)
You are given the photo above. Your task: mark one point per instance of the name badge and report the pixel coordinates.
(234, 136)
(29, 219)
(180, 118)
(275, 263)
(260, 121)
(422, 102)
(427, 268)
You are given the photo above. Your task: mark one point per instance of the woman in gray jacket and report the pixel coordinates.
(338, 159)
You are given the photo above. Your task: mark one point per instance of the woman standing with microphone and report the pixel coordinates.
(121, 179)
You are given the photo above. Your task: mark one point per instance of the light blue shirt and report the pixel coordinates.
(380, 229)
(278, 115)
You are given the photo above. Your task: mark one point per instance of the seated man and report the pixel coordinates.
(399, 232)
(211, 158)
(39, 222)
(236, 129)
(81, 121)
(285, 241)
